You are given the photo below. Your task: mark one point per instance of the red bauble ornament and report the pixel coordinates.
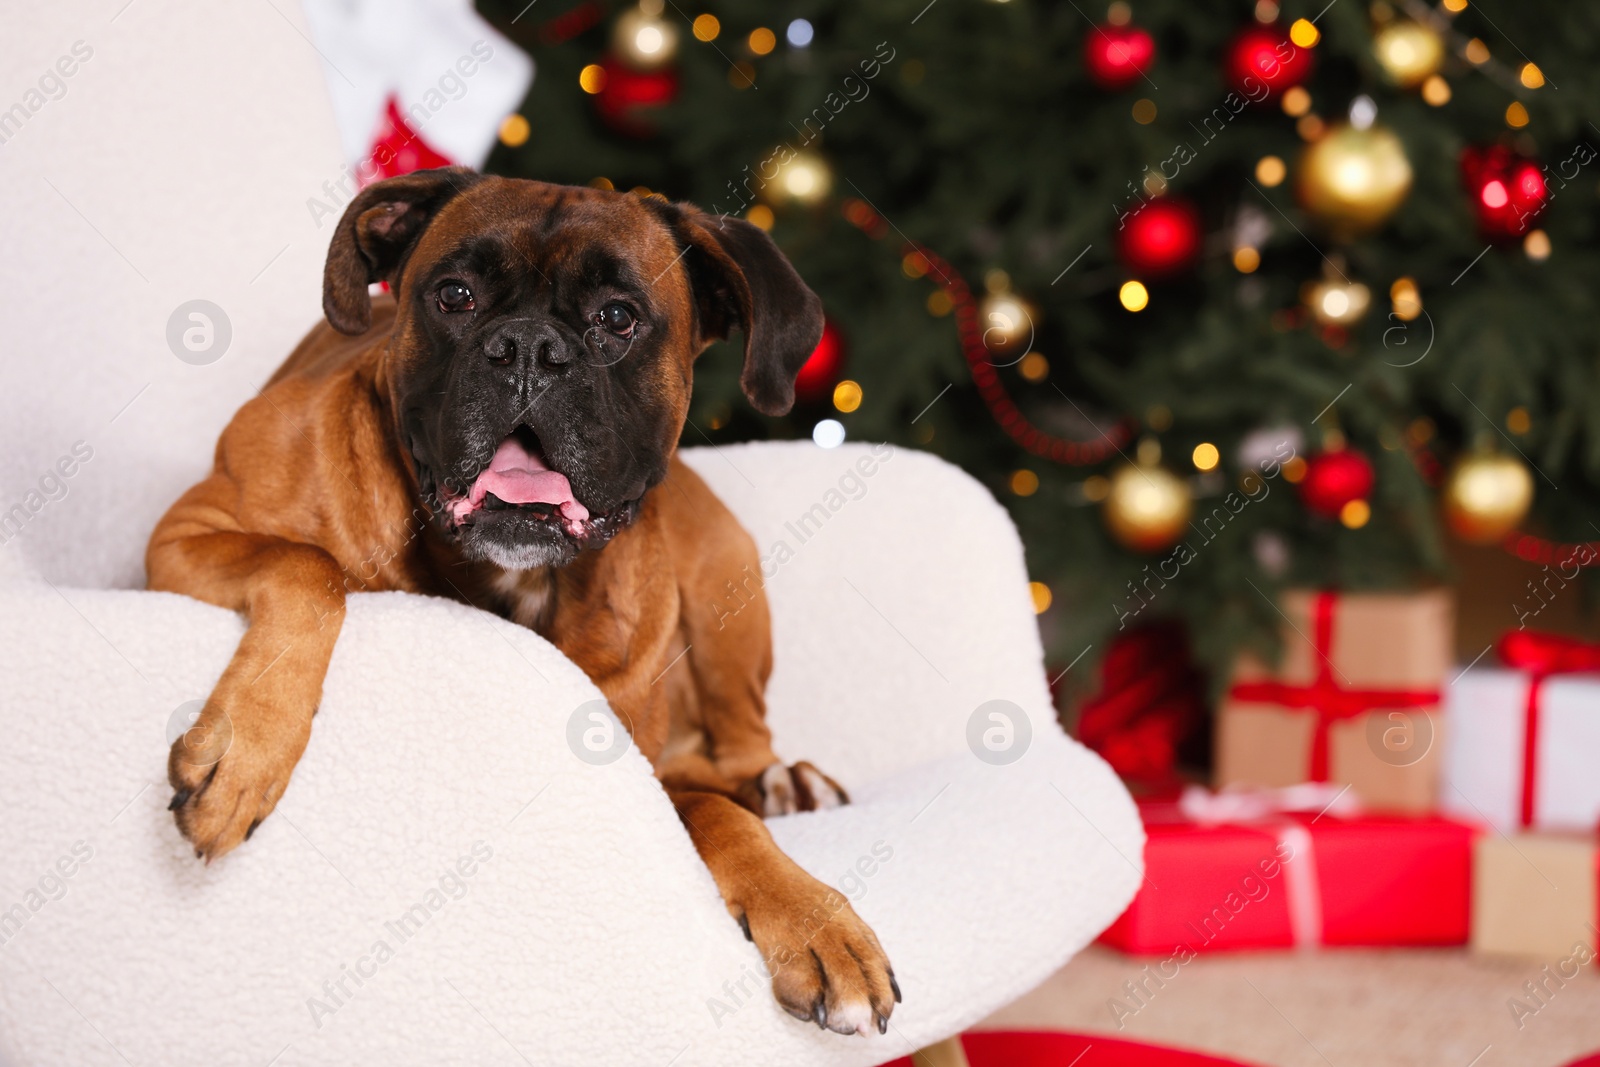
(1162, 237)
(1334, 479)
(1118, 56)
(1263, 62)
(628, 96)
(821, 371)
(1507, 191)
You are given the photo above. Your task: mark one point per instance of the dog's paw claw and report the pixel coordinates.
(225, 782)
(826, 964)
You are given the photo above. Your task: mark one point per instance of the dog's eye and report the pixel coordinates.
(453, 296)
(617, 319)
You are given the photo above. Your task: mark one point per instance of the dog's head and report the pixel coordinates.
(542, 352)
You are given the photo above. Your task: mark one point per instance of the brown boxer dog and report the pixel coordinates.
(511, 412)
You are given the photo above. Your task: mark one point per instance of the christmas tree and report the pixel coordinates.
(1217, 299)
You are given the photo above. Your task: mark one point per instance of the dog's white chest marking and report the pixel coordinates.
(525, 594)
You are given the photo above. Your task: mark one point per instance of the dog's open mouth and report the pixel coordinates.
(518, 477)
(518, 480)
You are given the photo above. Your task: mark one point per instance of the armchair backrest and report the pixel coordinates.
(168, 208)
(158, 154)
(899, 598)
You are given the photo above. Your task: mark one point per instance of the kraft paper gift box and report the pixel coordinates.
(1355, 700)
(1534, 895)
(1524, 744)
(1296, 879)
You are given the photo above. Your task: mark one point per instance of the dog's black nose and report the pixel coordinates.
(539, 342)
(553, 351)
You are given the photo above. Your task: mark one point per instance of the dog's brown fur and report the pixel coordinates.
(311, 496)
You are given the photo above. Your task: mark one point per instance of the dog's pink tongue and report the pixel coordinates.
(518, 476)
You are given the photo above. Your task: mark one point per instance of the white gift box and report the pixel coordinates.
(1486, 715)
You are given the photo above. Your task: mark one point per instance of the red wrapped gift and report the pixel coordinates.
(1272, 869)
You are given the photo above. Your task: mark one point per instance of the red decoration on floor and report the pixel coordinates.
(1334, 479)
(1150, 700)
(1263, 62)
(1041, 1048)
(984, 374)
(398, 149)
(1507, 191)
(1325, 697)
(1591, 1060)
(1162, 237)
(822, 369)
(1117, 56)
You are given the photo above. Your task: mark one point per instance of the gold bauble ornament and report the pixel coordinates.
(1008, 329)
(1334, 302)
(1354, 179)
(1486, 497)
(1408, 52)
(644, 39)
(798, 177)
(1147, 507)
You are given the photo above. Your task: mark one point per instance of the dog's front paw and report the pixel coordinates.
(785, 790)
(227, 773)
(826, 964)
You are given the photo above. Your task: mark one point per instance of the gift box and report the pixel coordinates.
(1535, 895)
(1355, 700)
(1259, 877)
(1150, 706)
(1523, 739)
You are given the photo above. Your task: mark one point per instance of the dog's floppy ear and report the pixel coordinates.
(741, 279)
(374, 236)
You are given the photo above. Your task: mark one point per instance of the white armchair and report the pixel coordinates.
(446, 880)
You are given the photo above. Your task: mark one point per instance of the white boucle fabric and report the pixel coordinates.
(587, 930)
(445, 882)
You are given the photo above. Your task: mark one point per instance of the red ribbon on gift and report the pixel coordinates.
(1325, 697)
(1541, 654)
